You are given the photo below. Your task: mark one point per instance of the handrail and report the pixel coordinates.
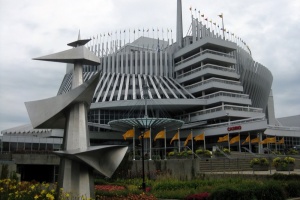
(222, 152)
(246, 149)
(212, 66)
(193, 152)
(204, 52)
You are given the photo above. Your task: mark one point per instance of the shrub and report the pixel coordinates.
(283, 161)
(292, 152)
(259, 161)
(292, 189)
(200, 196)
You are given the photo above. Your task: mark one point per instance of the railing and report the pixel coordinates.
(284, 128)
(226, 94)
(242, 121)
(248, 150)
(206, 66)
(204, 52)
(213, 80)
(220, 108)
(223, 153)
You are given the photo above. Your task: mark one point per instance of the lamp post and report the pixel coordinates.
(143, 166)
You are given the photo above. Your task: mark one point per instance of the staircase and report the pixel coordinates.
(225, 164)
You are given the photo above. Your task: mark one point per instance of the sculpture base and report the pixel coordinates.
(76, 179)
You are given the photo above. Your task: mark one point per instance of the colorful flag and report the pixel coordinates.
(187, 139)
(247, 140)
(255, 140)
(160, 135)
(146, 135)
(199, 137)
(175, 137)
(269, 140)
(223, 139)
(128, 134)
(281, 141)
(235, 139)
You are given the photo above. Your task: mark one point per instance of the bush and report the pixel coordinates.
(250, 191)
(283, 161)
(200, 196)
(259, 161)
(292, 152)
(292, 189)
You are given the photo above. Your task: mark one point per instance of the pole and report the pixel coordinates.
(133, 143)
(178, 140)
(249, 142)
(223, 26)
(143, 166)
(192, 143)
(204, 142)
(228, 142)
(239, 142)
(150, 143)
(165, 144)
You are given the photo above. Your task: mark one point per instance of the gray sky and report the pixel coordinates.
(31, 28)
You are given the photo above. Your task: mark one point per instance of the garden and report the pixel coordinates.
(277, 186)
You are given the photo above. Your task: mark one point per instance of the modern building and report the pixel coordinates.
(206, 78)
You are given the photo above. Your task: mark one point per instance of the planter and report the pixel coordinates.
(260, 167)
(286, 167)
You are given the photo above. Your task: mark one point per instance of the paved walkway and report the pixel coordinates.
(269, 172)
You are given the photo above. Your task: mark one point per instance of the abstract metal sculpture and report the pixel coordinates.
(69, 112)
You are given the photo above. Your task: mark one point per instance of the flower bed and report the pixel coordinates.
(284, 163)
(259, 164)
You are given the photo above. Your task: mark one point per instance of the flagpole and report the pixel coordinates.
(228, 142)
(178, 140)
(204, 141)
(192, 142)
(133, 143)
(249, 142)
(150, 143)
(275, 144)
(165, 144)
(240, 142)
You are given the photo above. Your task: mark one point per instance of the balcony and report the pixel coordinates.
(221, 84)
(228, 97)
(221, 111)
(203, 55)
(207, 69)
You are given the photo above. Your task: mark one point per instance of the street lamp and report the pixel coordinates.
(143, 166)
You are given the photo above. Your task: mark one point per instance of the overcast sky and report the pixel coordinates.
(32, 28)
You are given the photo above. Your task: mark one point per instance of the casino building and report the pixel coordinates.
(206, 78)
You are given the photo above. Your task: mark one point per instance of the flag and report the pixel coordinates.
(247, 140)
(223, 139)
(128, 134)
(221, 15)
(268, 140)
(199, 137)
(235, 139)
(255, 140)
(175, 137)
(281, 141)
(187, 139)
(160, 135)
(146, 135)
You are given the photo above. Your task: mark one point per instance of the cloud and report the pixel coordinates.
(31, 29)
